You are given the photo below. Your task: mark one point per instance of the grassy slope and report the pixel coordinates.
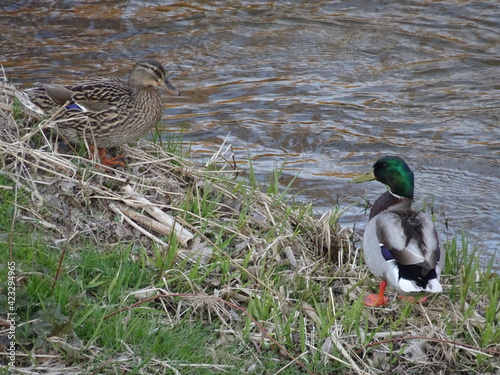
(280, 293)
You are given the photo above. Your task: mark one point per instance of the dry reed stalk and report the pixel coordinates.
(170, 224)
(151, 236)
(145, 221)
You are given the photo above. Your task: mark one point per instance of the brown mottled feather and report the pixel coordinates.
(115, 111)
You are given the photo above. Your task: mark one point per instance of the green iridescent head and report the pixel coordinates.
(393, 172)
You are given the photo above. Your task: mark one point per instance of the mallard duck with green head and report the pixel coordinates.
(106, 112)
(401, 246)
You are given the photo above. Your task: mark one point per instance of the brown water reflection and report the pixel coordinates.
(325, 87)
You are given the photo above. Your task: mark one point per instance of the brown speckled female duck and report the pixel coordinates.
(106, 112)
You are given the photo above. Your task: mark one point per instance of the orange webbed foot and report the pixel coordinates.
(372, 300)
(115, 162)
(379, 299)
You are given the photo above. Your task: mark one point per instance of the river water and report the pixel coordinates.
(322, 88)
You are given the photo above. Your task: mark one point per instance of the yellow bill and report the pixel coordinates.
(368, 176)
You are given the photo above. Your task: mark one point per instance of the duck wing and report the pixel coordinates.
(409, 238)
(410, 246)
(91, 95)
(60, 95)
(111, 91)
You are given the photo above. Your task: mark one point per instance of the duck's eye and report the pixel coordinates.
(157, 72)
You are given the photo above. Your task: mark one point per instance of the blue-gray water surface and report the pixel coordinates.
(323, 88)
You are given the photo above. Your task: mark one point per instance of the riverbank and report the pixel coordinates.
(169, 267)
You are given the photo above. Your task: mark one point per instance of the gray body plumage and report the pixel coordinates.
(403, 247)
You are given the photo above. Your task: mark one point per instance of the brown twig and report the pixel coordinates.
(58, 272)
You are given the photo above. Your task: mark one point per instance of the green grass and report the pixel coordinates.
(173, 143)
(17, 110)
(94, 283)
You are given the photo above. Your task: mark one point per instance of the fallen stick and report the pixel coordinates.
(132, 217)
(115, 208)
(183, 235)
(146, 221)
